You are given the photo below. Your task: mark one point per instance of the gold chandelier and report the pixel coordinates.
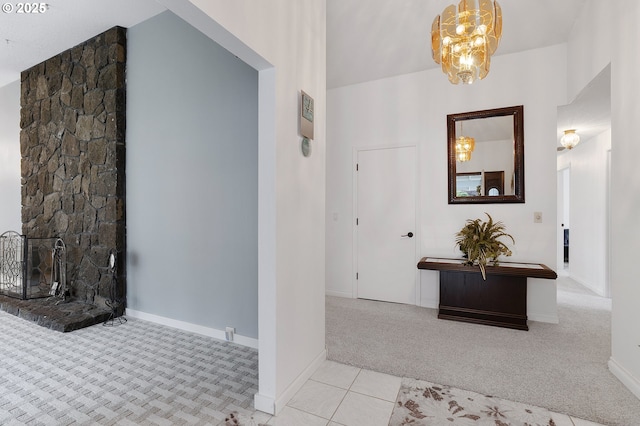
(464, 147)
(464, 38)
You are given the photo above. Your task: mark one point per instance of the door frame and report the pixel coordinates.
(562, 199)
(607, 263)
(354, 228)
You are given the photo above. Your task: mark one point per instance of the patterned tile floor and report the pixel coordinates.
(142, 373)
(138, 373)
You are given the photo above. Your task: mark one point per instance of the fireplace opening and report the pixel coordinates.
(33, 285)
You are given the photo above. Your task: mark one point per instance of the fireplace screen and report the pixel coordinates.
(31, 267)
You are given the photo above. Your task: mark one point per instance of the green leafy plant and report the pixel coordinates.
(480, 242)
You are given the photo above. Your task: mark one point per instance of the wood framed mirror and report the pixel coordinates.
(490, 167)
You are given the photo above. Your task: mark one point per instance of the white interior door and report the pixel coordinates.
(386, 209)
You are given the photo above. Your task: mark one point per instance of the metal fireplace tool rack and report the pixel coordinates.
(30, 268)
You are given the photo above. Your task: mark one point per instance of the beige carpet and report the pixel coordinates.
(562, 367)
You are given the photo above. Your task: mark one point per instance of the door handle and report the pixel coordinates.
(410, 235)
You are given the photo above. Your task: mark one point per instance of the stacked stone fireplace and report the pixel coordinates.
(73, 160)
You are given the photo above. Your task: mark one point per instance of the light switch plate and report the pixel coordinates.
(537, 217)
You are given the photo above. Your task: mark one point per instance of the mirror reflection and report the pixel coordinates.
(486, 156)
(482, 171)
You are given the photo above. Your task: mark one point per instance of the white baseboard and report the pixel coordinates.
(627, 379)
(264, 403)
(430, 303)
(294, 387)
(587, 285)
(348, 295)
(273, 406)
(193, 328)
(552, 319)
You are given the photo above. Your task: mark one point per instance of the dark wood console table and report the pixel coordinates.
(501, 300)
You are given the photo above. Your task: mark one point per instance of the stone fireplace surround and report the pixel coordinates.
(72, 143)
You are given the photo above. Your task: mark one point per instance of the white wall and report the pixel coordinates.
(589, 45)
(412, 109)
(192, 178)
(588, 210)
(625, 197)
(10, 217)
(286, 41)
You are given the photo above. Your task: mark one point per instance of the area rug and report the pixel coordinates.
(240, 419)
(423, 403)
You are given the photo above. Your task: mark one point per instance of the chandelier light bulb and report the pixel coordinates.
(463, 156)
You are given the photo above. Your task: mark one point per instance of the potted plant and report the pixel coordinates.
(480, 242)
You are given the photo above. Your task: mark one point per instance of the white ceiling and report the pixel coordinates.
(366, 39)
(487, 129)
(590, 112)
(28, 39)
(373, 39)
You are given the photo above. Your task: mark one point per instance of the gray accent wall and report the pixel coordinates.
(192, 178)
(10, 157)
